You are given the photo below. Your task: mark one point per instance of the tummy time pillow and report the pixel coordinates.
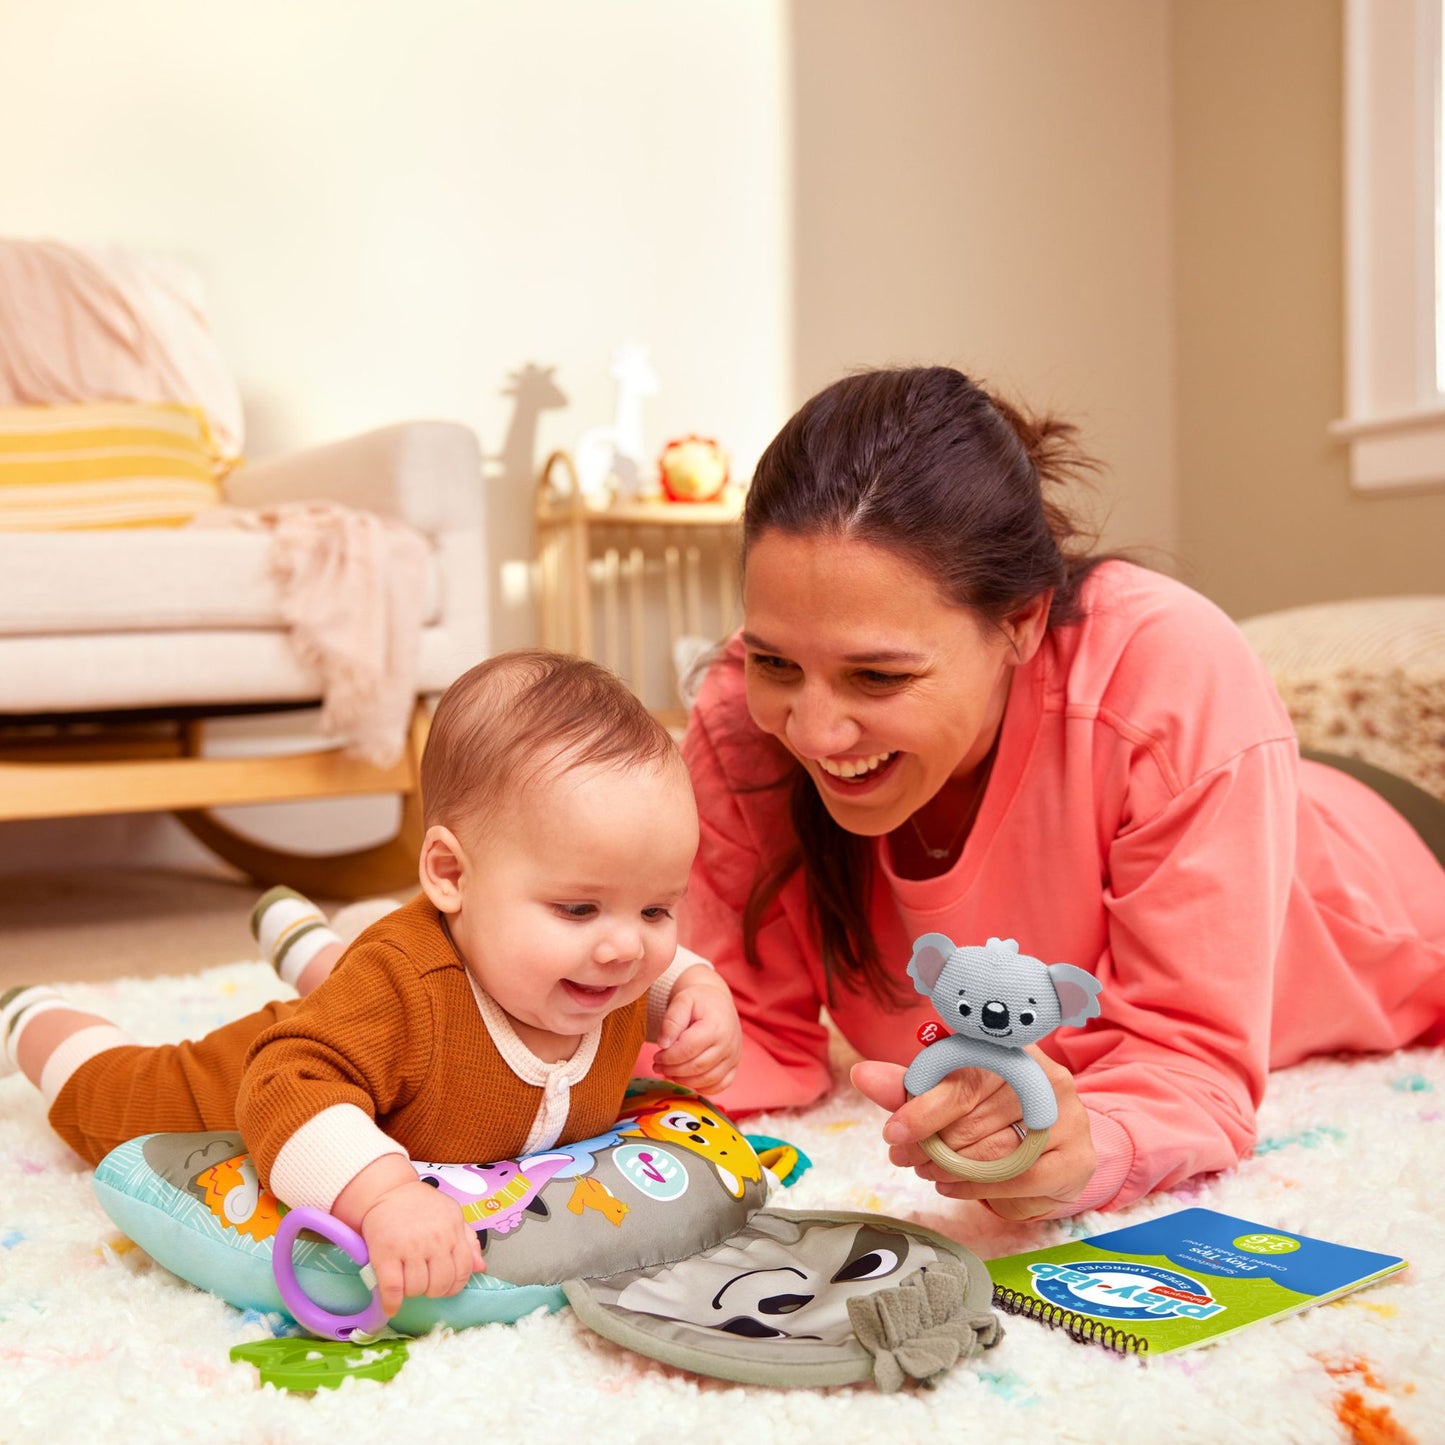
(655, 1232)
(672, 1177)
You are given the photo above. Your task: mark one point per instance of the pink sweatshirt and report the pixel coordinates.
(1148, 819)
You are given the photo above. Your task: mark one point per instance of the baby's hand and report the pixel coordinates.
(419, 1244)
(700, 1038)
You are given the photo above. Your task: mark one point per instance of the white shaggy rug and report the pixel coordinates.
(97, 1341)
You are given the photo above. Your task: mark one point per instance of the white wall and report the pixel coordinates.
(989, 186)
(393, 207)
(1268, 516)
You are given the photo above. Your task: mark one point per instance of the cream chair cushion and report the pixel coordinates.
(186, 617)
(146, 580)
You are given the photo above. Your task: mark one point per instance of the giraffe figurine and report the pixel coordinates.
(613, 456)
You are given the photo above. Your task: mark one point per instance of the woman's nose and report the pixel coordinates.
(817, 726)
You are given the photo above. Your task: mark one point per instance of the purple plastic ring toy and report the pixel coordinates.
(304, 1309)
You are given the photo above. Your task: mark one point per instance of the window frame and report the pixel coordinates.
(1394, 422)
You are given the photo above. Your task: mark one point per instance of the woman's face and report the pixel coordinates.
(869, 676)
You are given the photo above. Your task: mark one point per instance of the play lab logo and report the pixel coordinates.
(1110, 1290)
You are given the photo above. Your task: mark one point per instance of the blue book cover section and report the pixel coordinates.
(1230, 1248)
(1180, 1280)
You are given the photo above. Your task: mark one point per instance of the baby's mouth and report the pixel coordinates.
(589, 995)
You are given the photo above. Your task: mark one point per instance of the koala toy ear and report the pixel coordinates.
(1078, 993)
(930, 953)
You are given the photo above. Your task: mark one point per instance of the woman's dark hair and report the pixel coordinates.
(924, 463)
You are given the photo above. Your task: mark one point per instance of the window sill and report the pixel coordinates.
(1404, 452)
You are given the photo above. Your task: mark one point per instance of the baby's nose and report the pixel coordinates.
(622, 945)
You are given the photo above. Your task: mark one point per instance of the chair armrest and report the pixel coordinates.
(427, 473)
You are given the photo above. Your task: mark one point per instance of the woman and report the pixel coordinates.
(941, 715)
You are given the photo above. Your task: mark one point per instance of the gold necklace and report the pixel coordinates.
(970, 813)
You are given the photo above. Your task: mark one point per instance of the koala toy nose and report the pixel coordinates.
(994, 1015)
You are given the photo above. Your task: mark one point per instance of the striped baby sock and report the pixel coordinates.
(291, 930)
(17, 1007)
(92, 1035)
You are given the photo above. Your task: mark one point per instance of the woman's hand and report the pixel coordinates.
(973, 1112)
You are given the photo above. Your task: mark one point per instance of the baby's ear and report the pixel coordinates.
(930, 953)
(1078, 993)
(441, 866)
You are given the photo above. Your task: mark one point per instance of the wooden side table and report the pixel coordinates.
(626, 584)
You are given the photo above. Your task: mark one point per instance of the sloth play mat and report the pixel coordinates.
(98, 1339)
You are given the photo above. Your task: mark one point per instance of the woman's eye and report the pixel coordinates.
(765, 662)
(884, 679)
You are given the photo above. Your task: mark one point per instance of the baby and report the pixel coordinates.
(499, 1013)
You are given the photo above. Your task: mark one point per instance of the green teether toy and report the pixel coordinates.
(296, 1364)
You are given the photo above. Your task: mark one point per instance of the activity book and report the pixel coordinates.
(1184, 1279)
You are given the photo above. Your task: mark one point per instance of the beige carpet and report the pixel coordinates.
(96, 924)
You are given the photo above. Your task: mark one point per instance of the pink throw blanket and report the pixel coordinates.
(352, 586)
(89, 323)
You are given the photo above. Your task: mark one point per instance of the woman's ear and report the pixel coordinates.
(1026, 627)
(443, 864)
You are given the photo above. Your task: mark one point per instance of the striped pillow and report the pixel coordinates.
(110, 464)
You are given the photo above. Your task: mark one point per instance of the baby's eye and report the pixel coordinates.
(656, 915)
(576, 910)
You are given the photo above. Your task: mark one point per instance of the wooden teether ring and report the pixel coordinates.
(988, 1171)
(1006, 987)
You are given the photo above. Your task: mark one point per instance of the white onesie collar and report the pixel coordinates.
(520, 1059)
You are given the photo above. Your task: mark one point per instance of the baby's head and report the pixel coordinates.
(522, 719)
(560, 832)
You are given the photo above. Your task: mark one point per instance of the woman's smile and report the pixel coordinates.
(856, 770)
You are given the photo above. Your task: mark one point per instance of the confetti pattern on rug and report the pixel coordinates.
(97, 1340)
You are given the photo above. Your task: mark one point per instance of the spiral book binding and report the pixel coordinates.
(1079, 1328)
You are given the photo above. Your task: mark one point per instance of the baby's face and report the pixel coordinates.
(569, 907)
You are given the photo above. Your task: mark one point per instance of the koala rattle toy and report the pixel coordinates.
(996, 999)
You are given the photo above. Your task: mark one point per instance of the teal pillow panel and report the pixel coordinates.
(672, 1177)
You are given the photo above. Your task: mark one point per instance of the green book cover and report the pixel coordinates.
(1181, 1280)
